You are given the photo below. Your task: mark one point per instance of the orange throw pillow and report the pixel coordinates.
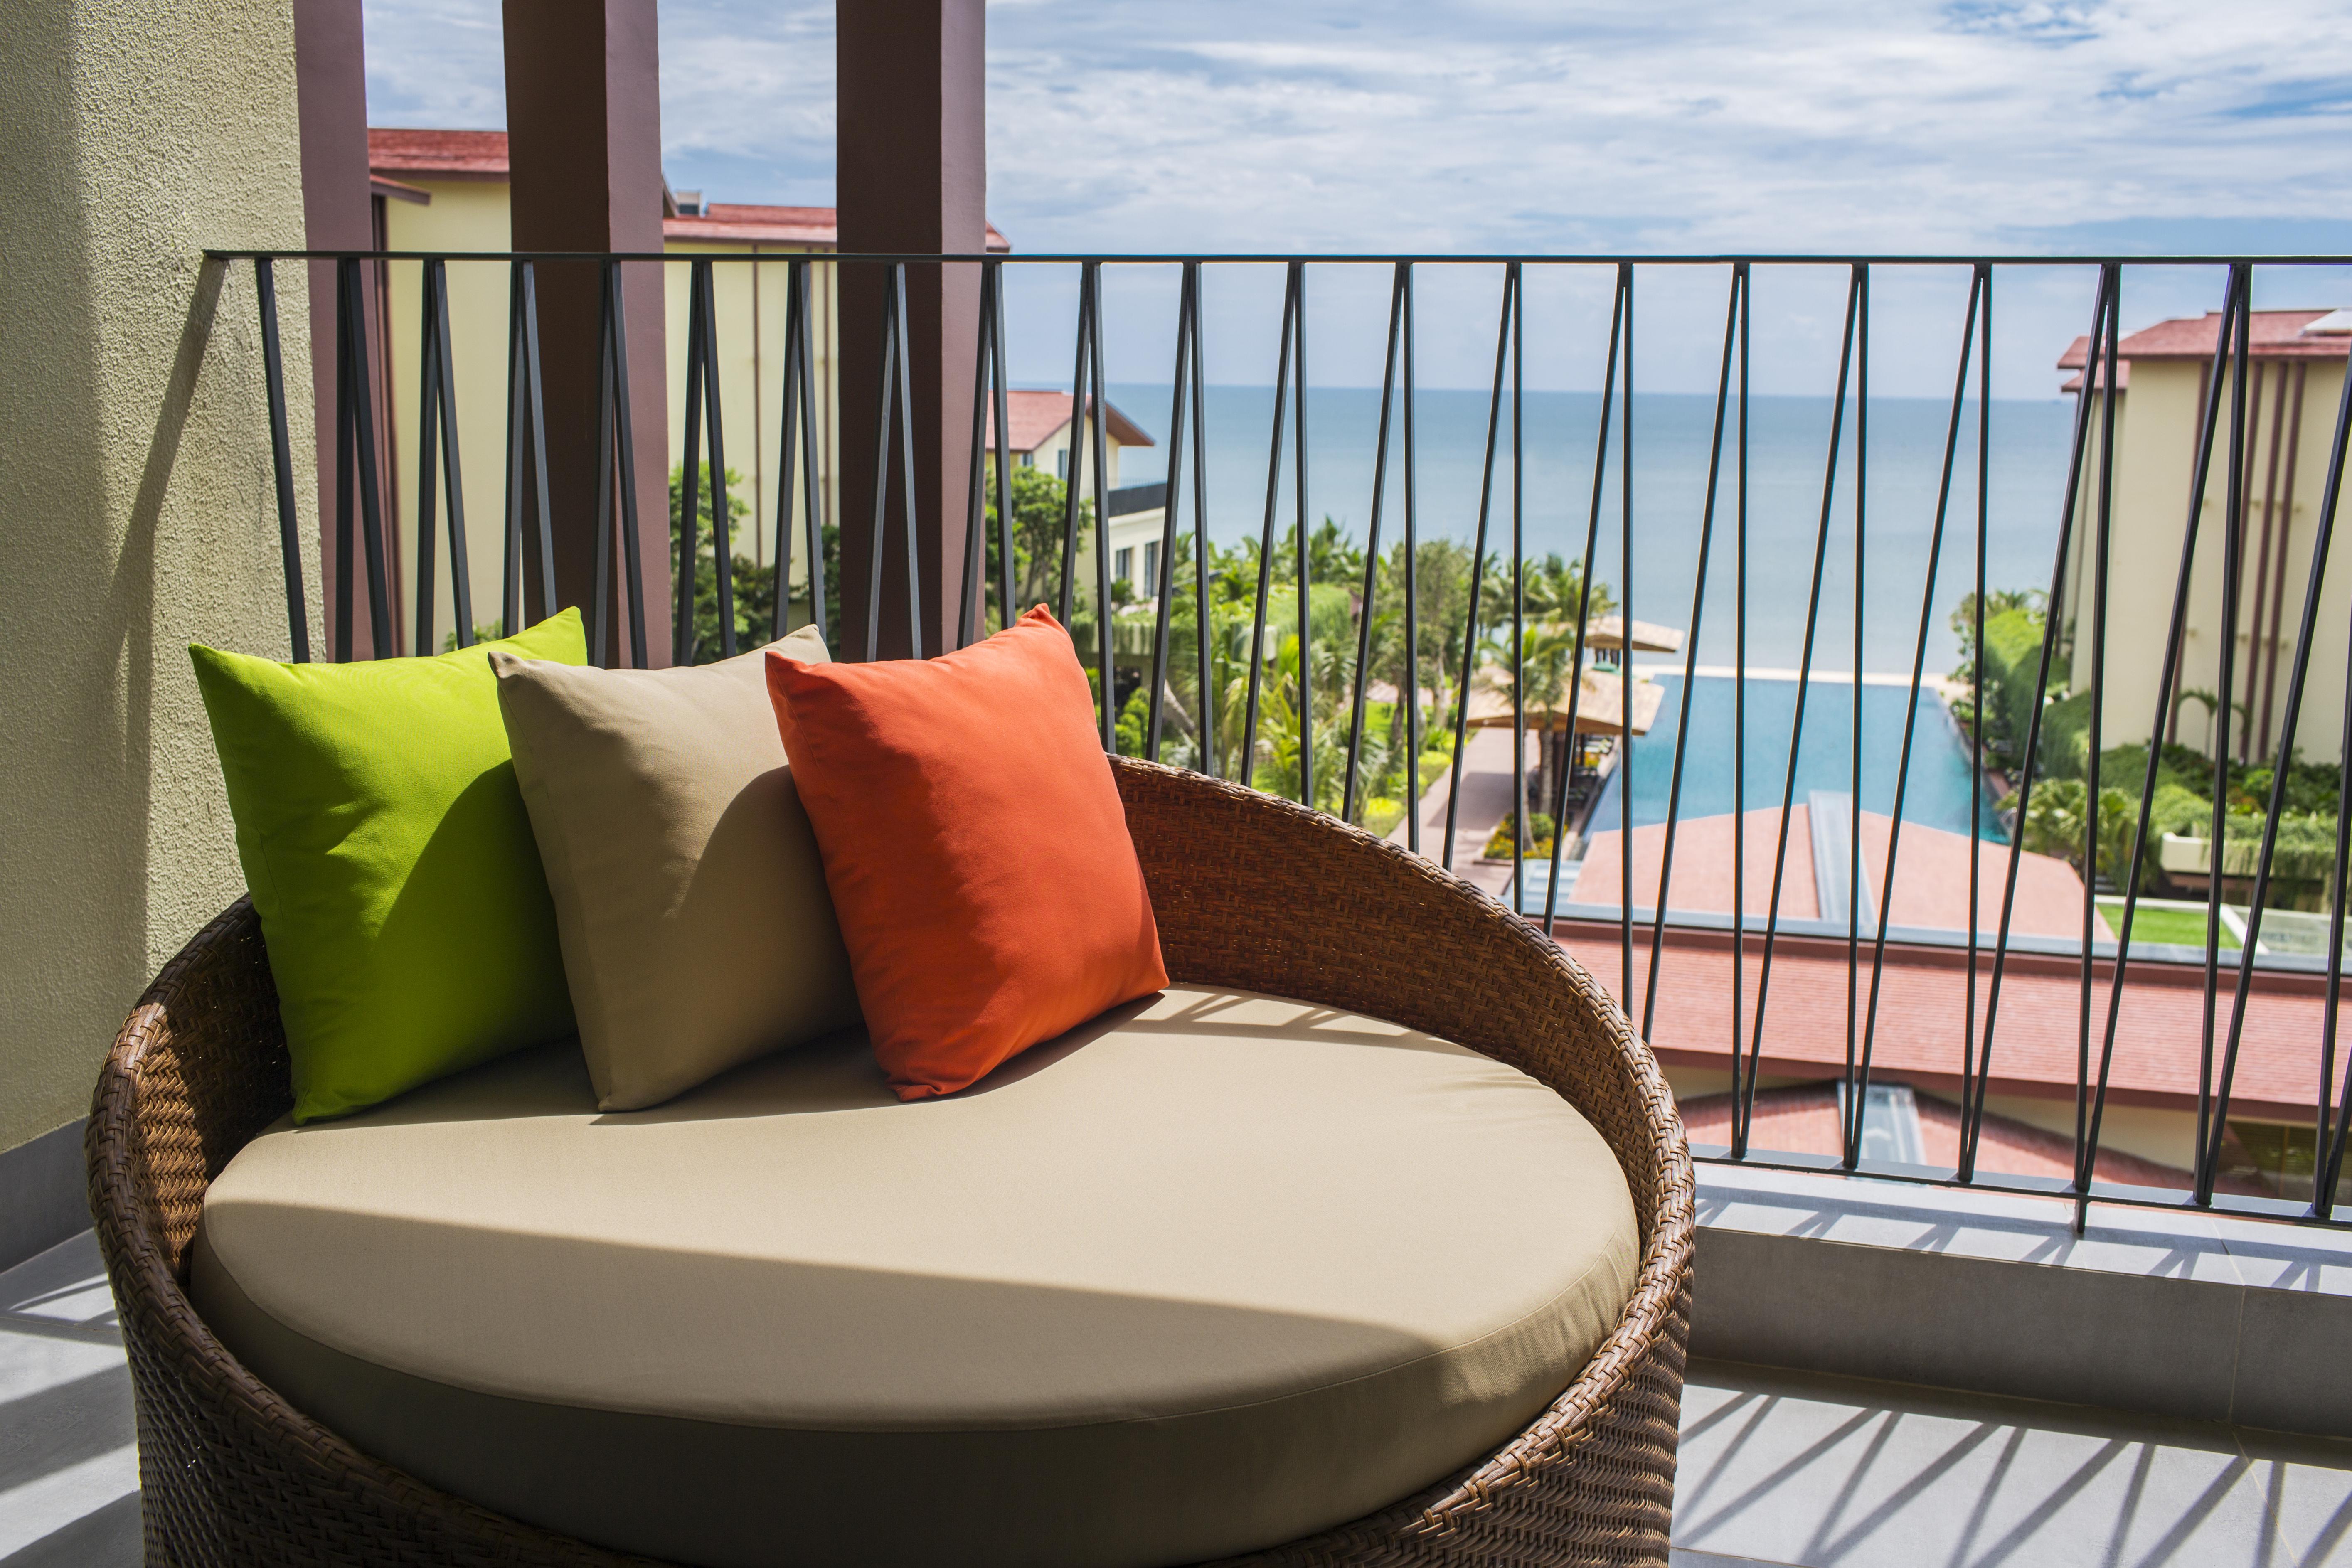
(975, 845)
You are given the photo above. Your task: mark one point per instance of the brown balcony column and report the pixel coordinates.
(337, 214)
(583, 135)
(911, 176)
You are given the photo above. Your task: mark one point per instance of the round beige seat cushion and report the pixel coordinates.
(1212, 1272)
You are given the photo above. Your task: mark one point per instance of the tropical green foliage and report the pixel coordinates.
(1540, 830)
(1040, 516)
(753, 586)
(2001, 674)
(2301, 860)
(2056, 820)
(484, 631)
(1284, 751)
(2182, 800)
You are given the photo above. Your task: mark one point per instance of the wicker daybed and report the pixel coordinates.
(1250, 892)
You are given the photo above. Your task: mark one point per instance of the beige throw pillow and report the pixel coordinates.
(689, 897)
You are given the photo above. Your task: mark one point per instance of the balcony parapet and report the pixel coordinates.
(2182, 1313)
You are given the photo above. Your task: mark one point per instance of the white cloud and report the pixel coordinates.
(1475, 125)
(750, 89)
(1900, 127)
(1471, 126)
(437, 63)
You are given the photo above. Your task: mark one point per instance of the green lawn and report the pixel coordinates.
(2185, 928)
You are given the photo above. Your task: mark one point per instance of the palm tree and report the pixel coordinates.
(1547, 668)
(1548, 665)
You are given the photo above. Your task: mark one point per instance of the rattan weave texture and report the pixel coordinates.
(1249, 891)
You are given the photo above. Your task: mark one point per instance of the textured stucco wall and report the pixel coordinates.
(136, 505)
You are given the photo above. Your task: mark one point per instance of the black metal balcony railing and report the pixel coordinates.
(1185, 541)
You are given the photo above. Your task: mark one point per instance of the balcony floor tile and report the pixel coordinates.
(1821, 1472)
(68, 1449)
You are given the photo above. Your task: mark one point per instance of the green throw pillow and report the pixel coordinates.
(391, 859)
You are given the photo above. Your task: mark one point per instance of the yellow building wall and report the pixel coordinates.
(464, 215)
(2320, 733)
(2152, 1133)
(749, 299)
(1048, 456)
(2155, 452)
(472, 216)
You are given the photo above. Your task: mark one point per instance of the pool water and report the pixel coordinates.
(1941, 778)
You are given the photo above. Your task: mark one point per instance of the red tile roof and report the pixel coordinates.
(729, 221)
(482, 155)
(1923, 1005)
(438, 154)
(1034, 418)
(2276, 334)
(2098, 377)
(743, 223)
(1923, 998)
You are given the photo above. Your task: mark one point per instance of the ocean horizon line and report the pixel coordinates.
(1422, 389)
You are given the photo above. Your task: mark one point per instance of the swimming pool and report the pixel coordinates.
(1940, 786)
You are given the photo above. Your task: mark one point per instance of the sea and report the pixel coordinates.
(1882, 509)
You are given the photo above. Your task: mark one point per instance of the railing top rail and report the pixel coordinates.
(1276, 258)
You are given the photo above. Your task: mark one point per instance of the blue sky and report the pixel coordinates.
(1471, 126)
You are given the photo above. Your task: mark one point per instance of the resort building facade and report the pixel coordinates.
(449, 193)
(2164, 385)
(1040, 434)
